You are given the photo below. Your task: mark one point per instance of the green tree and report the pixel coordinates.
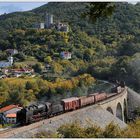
(97, 10)
(73, 130)
(29, 85)
(112, 131)
(37, 68)
(48, 59)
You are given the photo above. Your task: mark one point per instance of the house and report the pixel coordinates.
(8, 114)
(17, 75)
(48, 66)
(4, 64)
(65, 55)
(21, 71)
(2, 76)
(5, 71)
(40, 25)
(11, 118)
(62, 27)
(8, 63)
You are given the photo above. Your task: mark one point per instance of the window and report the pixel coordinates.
(13, 120)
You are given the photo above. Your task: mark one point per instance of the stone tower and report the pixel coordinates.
(48, 20)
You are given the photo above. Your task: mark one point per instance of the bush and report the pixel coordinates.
(75, 130)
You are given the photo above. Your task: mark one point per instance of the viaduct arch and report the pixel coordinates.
(110, 110)
(117, 105)
(119, 112)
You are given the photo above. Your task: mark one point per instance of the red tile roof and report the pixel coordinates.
(6, 108)
(11, 115)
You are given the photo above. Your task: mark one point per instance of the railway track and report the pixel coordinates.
(3, 131)
(21, 129)
(13, 131)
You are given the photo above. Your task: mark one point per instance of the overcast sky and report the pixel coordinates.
(8, 7)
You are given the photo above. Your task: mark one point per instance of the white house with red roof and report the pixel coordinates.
(19, 72)
(8, 114)
(65, 55)
(23, 70)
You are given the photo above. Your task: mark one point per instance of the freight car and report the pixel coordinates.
(86, 100)
(70, 104)
(100, 97)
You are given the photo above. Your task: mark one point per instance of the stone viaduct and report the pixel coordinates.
(117, 105)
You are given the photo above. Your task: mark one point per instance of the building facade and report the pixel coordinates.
(8, 114)
(8, 63)
(65, 55)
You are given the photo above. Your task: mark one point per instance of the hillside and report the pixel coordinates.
(108, 49)
(125, 20)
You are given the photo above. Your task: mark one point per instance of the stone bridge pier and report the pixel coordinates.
(117, 105)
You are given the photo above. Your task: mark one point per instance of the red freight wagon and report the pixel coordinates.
(86, 100)
(70, 103)
(93, 94)
(99, 97)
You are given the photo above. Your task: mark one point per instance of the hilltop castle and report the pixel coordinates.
(49, 23)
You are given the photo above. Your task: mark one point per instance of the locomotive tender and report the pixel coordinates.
(39, 111)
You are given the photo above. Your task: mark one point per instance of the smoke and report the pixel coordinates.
(79, 91)
(135, 68)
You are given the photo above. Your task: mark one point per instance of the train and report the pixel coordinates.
(40, 111)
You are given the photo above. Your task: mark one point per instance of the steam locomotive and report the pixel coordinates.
(39, 111)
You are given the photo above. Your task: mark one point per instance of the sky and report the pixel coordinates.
(8, 7)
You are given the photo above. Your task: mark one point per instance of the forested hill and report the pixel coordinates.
(125, 20)
(107, 48)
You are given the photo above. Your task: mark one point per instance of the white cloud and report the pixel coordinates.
(8, 7)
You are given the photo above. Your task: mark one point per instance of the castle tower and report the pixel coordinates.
(48, 20)
(11, 60)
